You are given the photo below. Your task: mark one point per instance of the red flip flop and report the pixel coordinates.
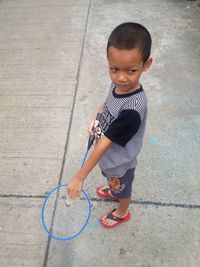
(106, 192)
(114, 218)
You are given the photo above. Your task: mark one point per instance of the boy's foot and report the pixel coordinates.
(111, 219)
(104, 191)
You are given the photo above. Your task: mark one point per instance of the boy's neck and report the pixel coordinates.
(131, 90)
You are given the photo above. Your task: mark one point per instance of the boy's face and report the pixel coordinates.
(125, 68)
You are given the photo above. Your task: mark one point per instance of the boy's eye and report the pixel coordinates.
(131, 71)
(113, 69)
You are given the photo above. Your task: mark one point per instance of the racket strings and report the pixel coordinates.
(62, 220)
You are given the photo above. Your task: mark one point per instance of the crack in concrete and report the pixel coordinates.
(135, 201)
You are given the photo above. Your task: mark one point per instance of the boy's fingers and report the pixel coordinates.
(90, 132)
(73, 193)
(90, 128)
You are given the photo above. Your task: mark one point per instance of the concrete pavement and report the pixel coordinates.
(53, 76)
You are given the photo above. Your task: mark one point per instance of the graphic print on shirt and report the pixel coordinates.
(106, 120)
(115, 184)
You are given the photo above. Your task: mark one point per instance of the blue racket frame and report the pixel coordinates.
(82, 228)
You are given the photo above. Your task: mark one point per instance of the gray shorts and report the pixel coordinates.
(121, 187)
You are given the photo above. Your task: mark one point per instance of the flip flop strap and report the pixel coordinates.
(105, 190)
(114, 218)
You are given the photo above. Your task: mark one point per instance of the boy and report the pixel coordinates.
(122, 124)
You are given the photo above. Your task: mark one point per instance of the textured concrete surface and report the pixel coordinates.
(53, 77)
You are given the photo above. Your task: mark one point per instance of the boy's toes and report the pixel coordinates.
(103, 218)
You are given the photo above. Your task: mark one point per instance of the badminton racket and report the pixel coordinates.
(63, 218)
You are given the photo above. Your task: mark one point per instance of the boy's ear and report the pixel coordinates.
(147, 64)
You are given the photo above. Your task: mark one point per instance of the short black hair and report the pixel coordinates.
(130, 35)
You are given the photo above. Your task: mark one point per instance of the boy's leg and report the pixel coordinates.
(123, 206)
(121, 189)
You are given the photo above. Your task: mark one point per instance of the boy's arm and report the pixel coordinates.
(76, 183)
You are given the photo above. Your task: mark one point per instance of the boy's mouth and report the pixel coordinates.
(122, 85)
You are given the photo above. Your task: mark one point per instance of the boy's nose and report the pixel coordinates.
(122, 78)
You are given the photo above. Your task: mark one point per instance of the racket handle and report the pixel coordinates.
(92, 137)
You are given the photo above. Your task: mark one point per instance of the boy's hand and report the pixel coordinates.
(94, 128)
(91, 125)
(74, 187)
